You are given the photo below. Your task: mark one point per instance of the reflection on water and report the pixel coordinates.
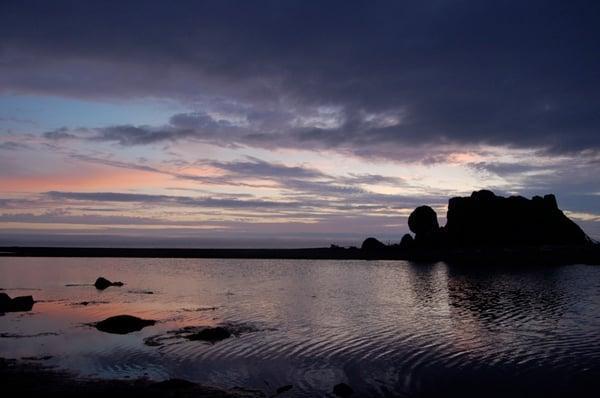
(387, 328)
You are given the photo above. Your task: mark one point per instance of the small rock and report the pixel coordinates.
(41, 358)
(283, 389)
(102, 283)
(212, 335)
(153, 341)
(86, 303)
(140, 291)
(4, 300)
(22, 303)
(407, 242)
(123, 324)
(372, 244)
(423, 221)
(174, 384)
(343, 390)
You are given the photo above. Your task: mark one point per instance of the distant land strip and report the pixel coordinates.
(504, 256)
(307, 253)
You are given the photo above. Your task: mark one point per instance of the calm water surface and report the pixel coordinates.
(387, 328)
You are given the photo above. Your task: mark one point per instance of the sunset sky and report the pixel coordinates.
(288, 123)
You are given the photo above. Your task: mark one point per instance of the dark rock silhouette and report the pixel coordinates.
(342, 390)
(484, 227)
(211, 334)
(5, 301)
(16, 304)
(283, 389)
(123, 324)
(423, 221)
(372, 244)
(484, 219)
(103, 283)
(174, 384)
(407, 242)
(371, 248)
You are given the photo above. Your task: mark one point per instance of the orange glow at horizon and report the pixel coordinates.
(94, 178)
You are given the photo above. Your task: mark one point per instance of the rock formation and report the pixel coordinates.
(372, 244)
(423, 221)
(484, 219)
(211, 334)
(16, 304)
(123, 324)
(342, 390)
(102, 283)
(494, 228)
(407, 242)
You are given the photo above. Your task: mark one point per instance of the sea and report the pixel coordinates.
(385, 328)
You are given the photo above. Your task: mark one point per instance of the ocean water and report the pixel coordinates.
(386, 328)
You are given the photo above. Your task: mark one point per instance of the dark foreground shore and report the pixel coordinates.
(536, 255)
(32, 380)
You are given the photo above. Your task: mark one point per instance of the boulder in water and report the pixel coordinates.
(372, 244)
(174, 384)
(407, 242)
(17, 304)
(211, 334)
(423, 221)
(342, 390)
(102, 283)
(4, 301)
(283, 389)
(123, 324)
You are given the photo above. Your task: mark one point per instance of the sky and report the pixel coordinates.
(288, 123)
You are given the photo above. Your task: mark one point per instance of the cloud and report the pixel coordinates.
(59, 134)
(132, 135)
(374, 80)
(512, 84)
(297, 179)
(167, 199)
(115, 163)
(508, 169)
(13, 146)
(259, 168)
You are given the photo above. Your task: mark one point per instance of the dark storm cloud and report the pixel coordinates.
(516, 73)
